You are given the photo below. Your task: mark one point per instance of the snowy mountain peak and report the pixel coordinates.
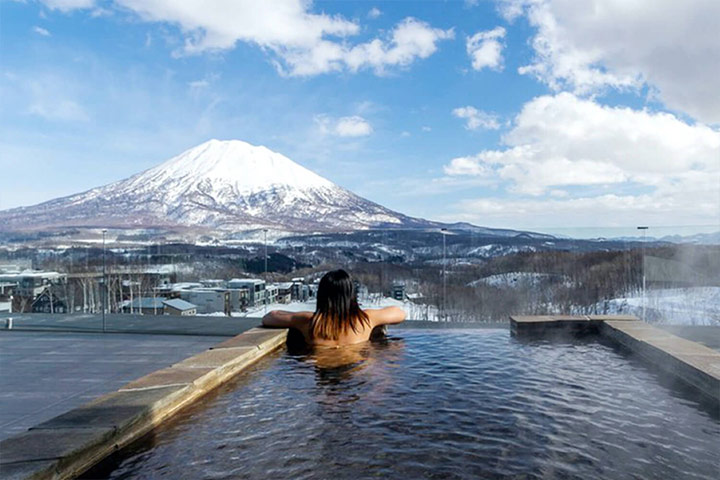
(216, 187)
(247, 168)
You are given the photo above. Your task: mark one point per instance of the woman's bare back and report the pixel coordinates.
(302, 321)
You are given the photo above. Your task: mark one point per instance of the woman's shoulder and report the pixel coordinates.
(302, 322)
(303, 318)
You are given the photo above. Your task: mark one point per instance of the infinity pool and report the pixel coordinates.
(445, 404)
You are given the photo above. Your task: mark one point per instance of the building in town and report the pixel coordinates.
(27, 285)
(238, 299)
(398, 291)
(207, 300)
(299, 291)
(48, 302)
(177, 306)
(271, 294)
(284, 292)
(6, 296)
(255, 286)
(144, 306)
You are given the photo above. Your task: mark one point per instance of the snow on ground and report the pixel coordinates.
(259, 311)
(673, 306)
(387, 249)
(494, 250)
(414, 311)
(518, 279)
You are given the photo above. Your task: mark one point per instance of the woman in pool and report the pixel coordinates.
(337, 320)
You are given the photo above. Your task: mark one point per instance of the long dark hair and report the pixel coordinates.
(337, 309)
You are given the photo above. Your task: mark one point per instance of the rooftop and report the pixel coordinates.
(247, 280)
(146, 302)
(179, 304)
(31, 273)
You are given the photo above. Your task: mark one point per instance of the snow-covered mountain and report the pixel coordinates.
(217, 186)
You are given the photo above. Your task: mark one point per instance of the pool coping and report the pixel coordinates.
(71, 443)
(690, 362)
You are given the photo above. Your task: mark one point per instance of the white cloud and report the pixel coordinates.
(410, 39)
(204, 83)
(374, 12)
(476, 119)
(59, 109)
(602, 211)
(41, 31)
(672, 46)
(485, 49)
(48, 96)
(353, 126)
(368, 106)
(101, 12)
(563, 141)
(301, 43)
(467, 166)
(68, 5)
(426, 128)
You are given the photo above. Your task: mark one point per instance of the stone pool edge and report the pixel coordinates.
(71, 443)
(690, 362)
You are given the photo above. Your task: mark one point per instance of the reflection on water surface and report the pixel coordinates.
(439, 404)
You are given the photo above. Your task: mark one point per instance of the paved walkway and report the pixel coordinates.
(43, 373)
(707, 335)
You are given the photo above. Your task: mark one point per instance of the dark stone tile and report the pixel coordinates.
(116, 410)
(168, 376)
(216, 358)
(37, 445)
(24, 470)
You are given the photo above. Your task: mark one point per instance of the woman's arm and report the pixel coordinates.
(386, 316)
(283, 319)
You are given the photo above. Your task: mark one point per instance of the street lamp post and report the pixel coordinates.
(265, 230)
(443, 231)
(104, 290)
(643, 230)
(265, 295)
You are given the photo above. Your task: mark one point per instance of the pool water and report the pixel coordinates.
(451, 404)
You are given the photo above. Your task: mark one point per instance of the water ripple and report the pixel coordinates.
(440, 404)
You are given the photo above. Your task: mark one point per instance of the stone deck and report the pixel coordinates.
(65, 446)
(44, 374)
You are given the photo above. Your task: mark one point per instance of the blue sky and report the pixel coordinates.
(512, 113)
